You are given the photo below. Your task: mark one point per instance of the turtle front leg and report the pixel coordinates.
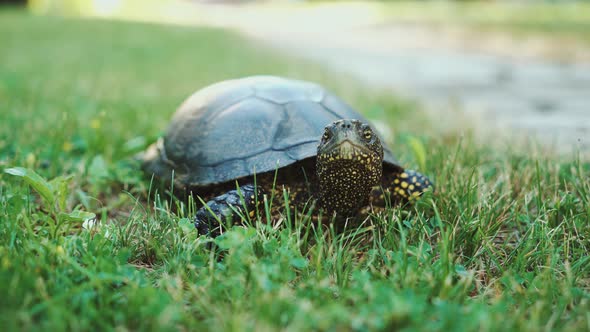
(408, 185)
(228, 206)
(403, 187)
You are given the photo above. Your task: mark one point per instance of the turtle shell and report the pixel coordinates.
(240, 127)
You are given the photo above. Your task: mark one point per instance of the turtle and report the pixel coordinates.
(232, 143)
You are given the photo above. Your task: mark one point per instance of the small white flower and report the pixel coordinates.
(89, 223)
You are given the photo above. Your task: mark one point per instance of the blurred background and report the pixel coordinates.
(490, 99)
(507, 68)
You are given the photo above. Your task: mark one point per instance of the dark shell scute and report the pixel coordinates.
(196, 114)
(235, 168)
(310, 119)
(302, 151)
(276, 91)
(239, 132)
(218, 96)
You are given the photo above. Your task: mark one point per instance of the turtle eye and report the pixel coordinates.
(367, 134)
(327, 135)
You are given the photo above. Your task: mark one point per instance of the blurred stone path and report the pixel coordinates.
(505, 88)
(509, 94)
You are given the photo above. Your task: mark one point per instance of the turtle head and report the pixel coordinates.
(349, 163)
(350, 140)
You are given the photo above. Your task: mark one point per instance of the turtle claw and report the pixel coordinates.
(227, 207)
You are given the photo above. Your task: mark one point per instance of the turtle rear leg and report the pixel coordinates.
(227, 207)
(403, 187)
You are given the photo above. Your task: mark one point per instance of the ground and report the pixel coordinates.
(502, 245)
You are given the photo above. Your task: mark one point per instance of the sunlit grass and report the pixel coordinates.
(503, 245)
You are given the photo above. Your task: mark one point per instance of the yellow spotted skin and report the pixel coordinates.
(407, 185)
(349, 164)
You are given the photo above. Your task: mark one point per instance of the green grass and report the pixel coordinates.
(503, 245)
